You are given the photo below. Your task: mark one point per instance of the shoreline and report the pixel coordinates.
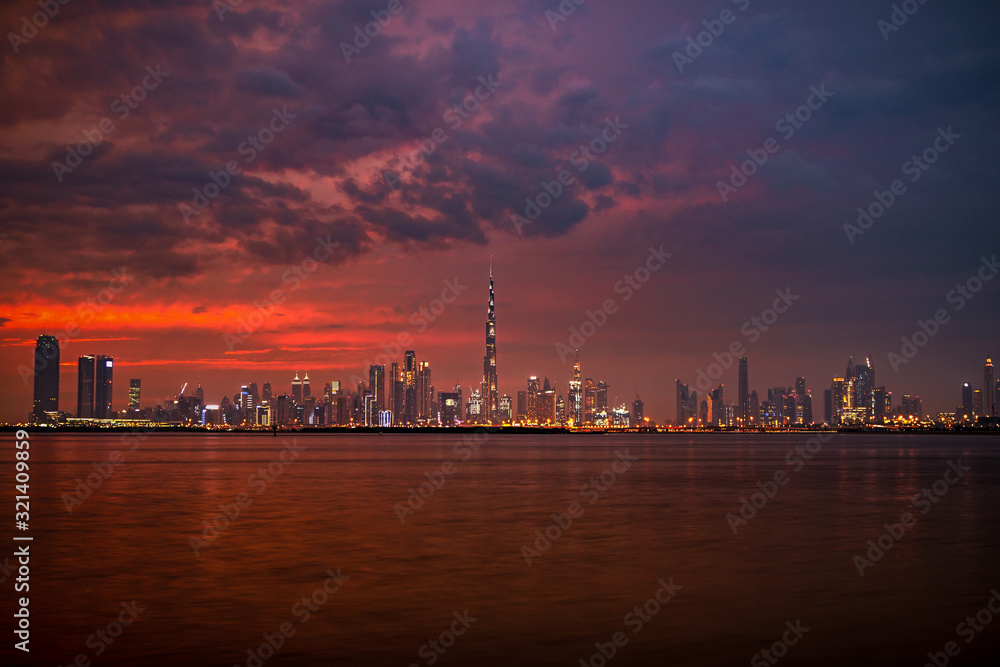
(492, 430)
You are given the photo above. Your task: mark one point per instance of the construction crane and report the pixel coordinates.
(181, 392)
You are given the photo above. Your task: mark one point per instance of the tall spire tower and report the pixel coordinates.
(491, 406)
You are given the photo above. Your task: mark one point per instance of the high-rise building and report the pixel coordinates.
(505, 415)
(449, 408)
(575, 395)
(883, 404)
(743, 406)
(266, 392)
(637, 412)
(200, 393)
(475, 408)
(397, 394)
(545, 406)
(912, 406)
(306, 391)
(683, 397)
(754, 409)
(977, 404)
(425, 391)
(46, 370)
(865, 389)
(461, 406)
(989, 390)
(522, 407)
(134, 392)
(103, 382)
(966, 412)
(601, 397)
(410, 406)
(589, 401)
(489, 394)
(533, 390)
(85, 387)
(297, 389)
(376, 383)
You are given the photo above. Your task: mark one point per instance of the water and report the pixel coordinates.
(664, 518)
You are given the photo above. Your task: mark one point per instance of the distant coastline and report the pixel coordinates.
(493, 430)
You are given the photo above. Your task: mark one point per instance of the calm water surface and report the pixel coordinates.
(664, 517)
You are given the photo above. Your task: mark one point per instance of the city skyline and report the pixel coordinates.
(410, 398)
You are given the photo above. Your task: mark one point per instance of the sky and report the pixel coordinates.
(168, 169)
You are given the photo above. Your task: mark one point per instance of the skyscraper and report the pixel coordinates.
(103, 376)
(410, 387)
(425, 390)
(46, 367)
(533, 399)
(601, 397)
(134, 392)
(306, 391)
(576, 394)
(489, 390)
(744, 391)
(85, 387)
(589, 401)
(376, 382)
(297, 389)
(966, 401)
(683, 394)
(637, 411)
(865, 389)
(989, 390)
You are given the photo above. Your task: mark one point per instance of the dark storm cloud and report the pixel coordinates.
(354, 120)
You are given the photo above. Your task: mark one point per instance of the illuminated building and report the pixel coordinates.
(576, 394)
(744, 389)
(85, 387)
(545, 406)
(683, 394)
(589, 401)
(297, 389)
(306, 391)
(911, 406)
(376, 383)
(473, 410)
(505, 415)
(864, 387)
(533, 399)
(637, 411)
(425, 391)
(489, 387)
(522, 407)
(46, 370)
(989, 390)
(601, 397)
(134, 392)
(103, 382)
(449, 407)
(410, 388)
(966, 412)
